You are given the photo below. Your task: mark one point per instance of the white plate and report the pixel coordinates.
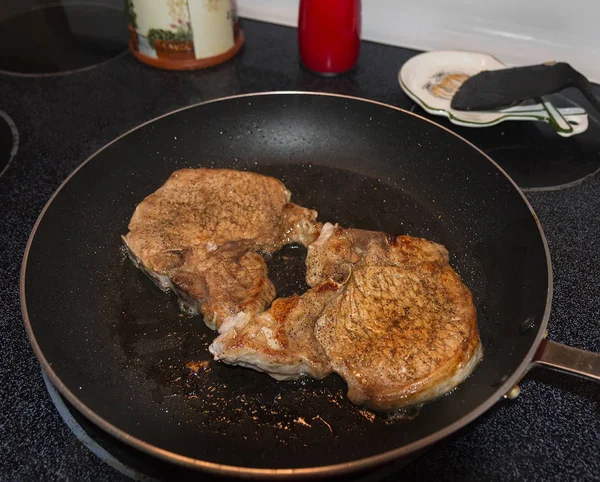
(431, 78)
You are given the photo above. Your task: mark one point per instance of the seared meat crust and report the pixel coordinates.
(199, 235)
(388, 314)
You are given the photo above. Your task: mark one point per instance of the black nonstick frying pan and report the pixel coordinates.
(120, 351)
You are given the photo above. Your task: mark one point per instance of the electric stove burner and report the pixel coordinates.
(61, 38)
(533, 154)
(9, 141)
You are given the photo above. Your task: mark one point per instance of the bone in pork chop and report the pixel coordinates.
(400, 327)
(404, 329)
(200, 233)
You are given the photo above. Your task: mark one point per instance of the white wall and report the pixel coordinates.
(516, 31)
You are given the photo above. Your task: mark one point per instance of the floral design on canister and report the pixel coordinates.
(183, 34)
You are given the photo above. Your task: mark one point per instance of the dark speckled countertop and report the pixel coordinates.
(550, 432)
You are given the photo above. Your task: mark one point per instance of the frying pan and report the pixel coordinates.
(119, 350)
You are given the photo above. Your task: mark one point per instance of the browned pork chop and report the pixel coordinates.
(400, 326)
(338, 249)
(280, 341)
(199, 235)
(400, 336)
(404, 329)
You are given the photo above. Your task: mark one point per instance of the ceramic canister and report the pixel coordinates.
(183, 34)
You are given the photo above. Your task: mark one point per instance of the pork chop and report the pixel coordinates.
(337, 248)
(200, 233)
(400, 326)
(281, 341)
(404, 328)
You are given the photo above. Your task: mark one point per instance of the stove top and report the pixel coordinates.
(532, 153)
(70, 100)
(61, 38)
(9, 141)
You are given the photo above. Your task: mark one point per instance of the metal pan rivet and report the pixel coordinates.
(513, 393)
(545, 333)
(527, 324)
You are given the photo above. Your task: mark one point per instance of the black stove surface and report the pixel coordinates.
(532, 153)
(550, 432)
(9, 141)
(61, 38)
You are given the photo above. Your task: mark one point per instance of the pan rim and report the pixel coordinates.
(335, 469)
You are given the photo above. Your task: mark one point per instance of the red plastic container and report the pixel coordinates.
(329, 35)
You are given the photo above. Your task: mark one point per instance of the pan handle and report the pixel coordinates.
(568, 359)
